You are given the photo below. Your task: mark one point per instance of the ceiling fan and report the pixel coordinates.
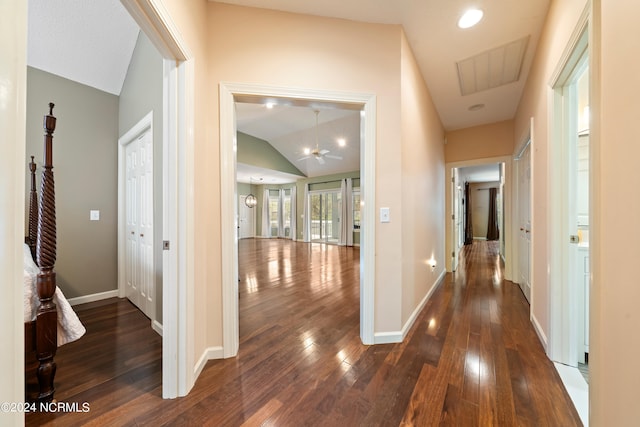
(317, 152)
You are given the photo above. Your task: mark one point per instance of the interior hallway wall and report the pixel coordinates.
(85, 160)
(142, 93)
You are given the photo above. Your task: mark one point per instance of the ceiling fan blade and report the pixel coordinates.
(303, 158)
(323, 152)
(331, 156)
(320, 160)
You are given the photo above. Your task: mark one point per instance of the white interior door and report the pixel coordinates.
(246, 219)
(456, 218)
(139, 270)
(524, 222)
(577, 95)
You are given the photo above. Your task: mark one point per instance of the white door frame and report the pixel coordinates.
(228, 93)
(508, 227)
(177, 183)
(562, 301)
(144, 125)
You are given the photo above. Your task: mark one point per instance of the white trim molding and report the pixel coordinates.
(156, 326)
(94, 297)
(178, 201)
(209, 353)
(399, 336)
(366, 102)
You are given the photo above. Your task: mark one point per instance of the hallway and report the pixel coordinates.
(471, 359)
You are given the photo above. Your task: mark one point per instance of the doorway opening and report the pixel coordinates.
(365, 103)
(325, 208)
(478, 205)
(569, 215)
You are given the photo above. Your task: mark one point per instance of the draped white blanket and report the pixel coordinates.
(69, 326)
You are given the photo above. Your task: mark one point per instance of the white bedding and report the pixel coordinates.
(69, 326)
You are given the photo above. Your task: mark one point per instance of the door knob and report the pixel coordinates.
(141, 235)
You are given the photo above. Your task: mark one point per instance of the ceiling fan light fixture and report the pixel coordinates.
(470, 18)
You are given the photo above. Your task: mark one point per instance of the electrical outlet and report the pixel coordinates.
(94, 215)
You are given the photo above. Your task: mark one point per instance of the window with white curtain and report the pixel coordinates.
(274, 213)
(286, 212)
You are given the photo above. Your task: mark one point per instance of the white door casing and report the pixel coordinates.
(367, 102)
(564, 299)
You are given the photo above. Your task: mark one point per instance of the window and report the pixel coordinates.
(274, 212)
(286, 212)
(325, 216)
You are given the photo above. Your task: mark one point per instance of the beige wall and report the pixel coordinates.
(190, 17)
(615, 348)
(422, 169)
(284, 49)
(274, 48)
(85, 147)
(480, 142)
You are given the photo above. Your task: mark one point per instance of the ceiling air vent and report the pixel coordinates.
(493, 68)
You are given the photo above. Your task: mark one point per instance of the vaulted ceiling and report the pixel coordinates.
(475, 76)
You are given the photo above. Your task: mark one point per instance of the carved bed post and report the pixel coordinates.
(33, 210)
(46, 323)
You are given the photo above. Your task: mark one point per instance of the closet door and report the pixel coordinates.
(140, 287)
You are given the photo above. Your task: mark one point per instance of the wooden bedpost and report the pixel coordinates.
(33, 210)
(46, 322)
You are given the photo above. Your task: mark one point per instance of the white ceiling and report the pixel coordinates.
(439, 44)
(290, 129)
(91, 42)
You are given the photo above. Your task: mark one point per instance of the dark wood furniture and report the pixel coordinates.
(41, 334)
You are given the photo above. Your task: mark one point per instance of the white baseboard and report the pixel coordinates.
(208, 354)
(399, 336)
(539, 332)
(93, 297)
(156, 326)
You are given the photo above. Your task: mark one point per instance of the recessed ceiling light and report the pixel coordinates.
(269, 105)
(476, 107)
(470, 18)
(307, 151)
(342, 142)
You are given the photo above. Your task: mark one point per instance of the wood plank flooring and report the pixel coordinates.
(472, 357)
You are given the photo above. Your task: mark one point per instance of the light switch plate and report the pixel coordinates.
(94, 215)
(385, 215)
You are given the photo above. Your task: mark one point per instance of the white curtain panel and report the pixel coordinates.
(346, 214)
(266, 227)
(294, 216)
(305, 220)
(281, 213)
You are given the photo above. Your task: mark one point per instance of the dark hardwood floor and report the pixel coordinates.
(472, 357)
